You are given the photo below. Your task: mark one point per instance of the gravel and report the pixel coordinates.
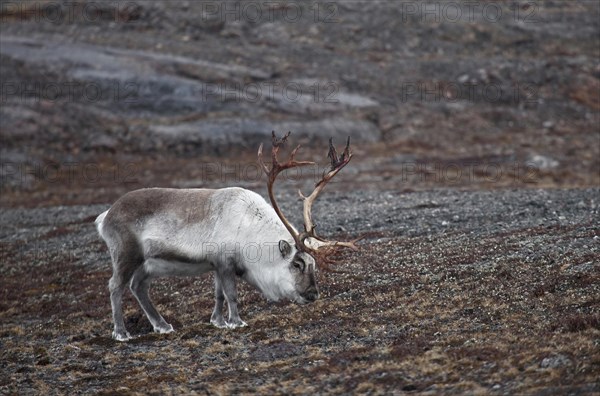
(451, 292)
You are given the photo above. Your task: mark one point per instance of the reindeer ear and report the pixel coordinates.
(285, 248)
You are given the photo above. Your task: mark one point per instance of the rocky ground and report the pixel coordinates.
(475, 179)
(461, 292)
(107, 94)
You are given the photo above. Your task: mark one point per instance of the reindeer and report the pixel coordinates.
(232, 231)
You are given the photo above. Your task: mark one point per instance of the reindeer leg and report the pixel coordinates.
(116, 286)
(217, 316)
(125, 261)
(140, 285)
(228, 286)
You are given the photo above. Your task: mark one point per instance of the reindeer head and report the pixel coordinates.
(308, 248)
(298, 274)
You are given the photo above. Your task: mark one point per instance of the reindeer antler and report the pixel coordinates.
(275, 170)
(337, 163)
(319, 247)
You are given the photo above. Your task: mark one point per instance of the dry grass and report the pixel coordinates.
(421, 314)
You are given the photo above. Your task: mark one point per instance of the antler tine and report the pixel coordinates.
(332, 154)
(260, 160)
(326, 251)
(347, 152)
(336, 161)
(278, 142)
(276, 166)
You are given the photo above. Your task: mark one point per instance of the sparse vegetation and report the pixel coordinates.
(495, 303)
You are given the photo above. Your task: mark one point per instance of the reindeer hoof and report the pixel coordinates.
(236, 324)
(121, 336)
(164, 329)
(219, 323)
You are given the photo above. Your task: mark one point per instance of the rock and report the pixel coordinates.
(556, 361)
(273, 33)
(542, 162)
(233, 29)
(463, 78)
(103, 142)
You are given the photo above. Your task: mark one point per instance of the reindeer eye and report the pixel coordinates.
(299, 264)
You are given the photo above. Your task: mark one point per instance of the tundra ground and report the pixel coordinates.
(463, 292)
